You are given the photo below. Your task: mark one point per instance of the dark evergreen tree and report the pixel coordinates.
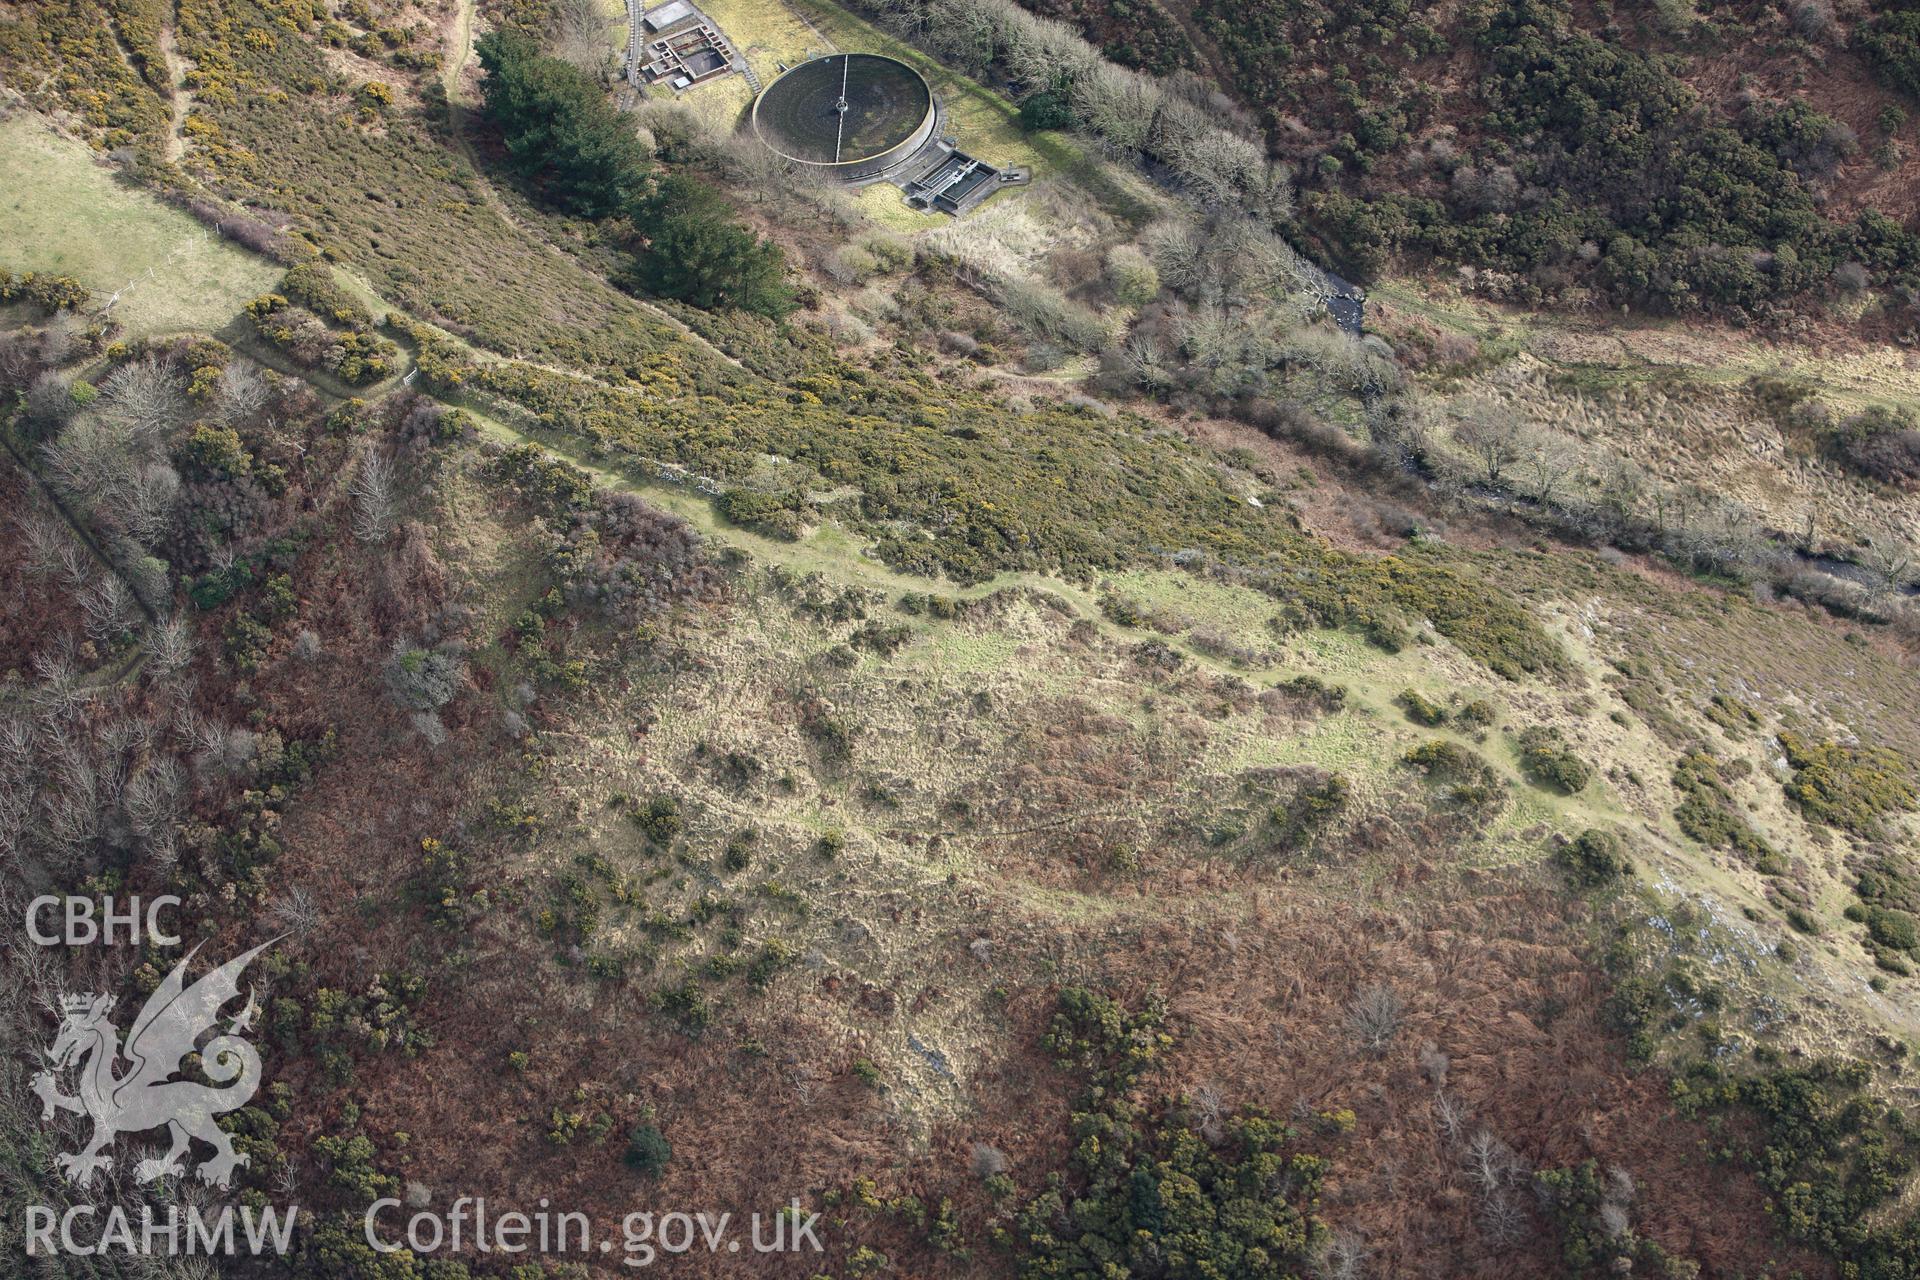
(560, 131)
(700, 258)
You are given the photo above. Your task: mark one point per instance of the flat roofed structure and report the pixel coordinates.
(953, 185)
(685, 48)
(670, 15)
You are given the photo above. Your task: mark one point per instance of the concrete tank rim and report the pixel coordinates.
(912, 135)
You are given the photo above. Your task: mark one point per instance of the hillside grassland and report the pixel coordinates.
(1653, 349)
(1715, 646)
(1742, 418)
(66, 214)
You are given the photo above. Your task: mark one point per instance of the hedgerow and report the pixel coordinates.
(1057, 489)
(50, 293)
(319, 324)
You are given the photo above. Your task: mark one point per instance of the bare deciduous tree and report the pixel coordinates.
(372, 490)
(17, 786)
(429, 726)
(1146, 363)
(1503, 1218)
(1496, 1170)
(1490, 432)
(152, 802)
(1209, 1110)
(579, 36)
(1449, 1115)
(988, 1161)
(76, 566)
(169, 648)
(111, 610)
(148, 501)
(89, 460)
(49, 405)
(240, 394)
(19, 363)
(144, 399)
(1341, 1256)
(1374, 1016)
(218, 748)
(1890, 567)
(1490, 1162)
(1546, 460)
(57, 689)
(44, 535)
(298, 912)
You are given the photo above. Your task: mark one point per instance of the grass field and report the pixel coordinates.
(61, 212)
(767, 33)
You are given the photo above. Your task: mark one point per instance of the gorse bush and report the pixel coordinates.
(1853, 788)
(1591, 1213)
(648, 1151)
(778, 515)
(1596, 857)
(1835, 1159)
(1891, 43)
(1315, 803)
(614, 551)
(1146, 1193)
(49, 293)
(1709, 813)
(1548, 762)
(1313, 692)
(1471, 782)
(1889, 904)
(1476, 713)
(659, 818)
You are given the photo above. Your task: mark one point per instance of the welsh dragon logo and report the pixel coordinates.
(145, 1096)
